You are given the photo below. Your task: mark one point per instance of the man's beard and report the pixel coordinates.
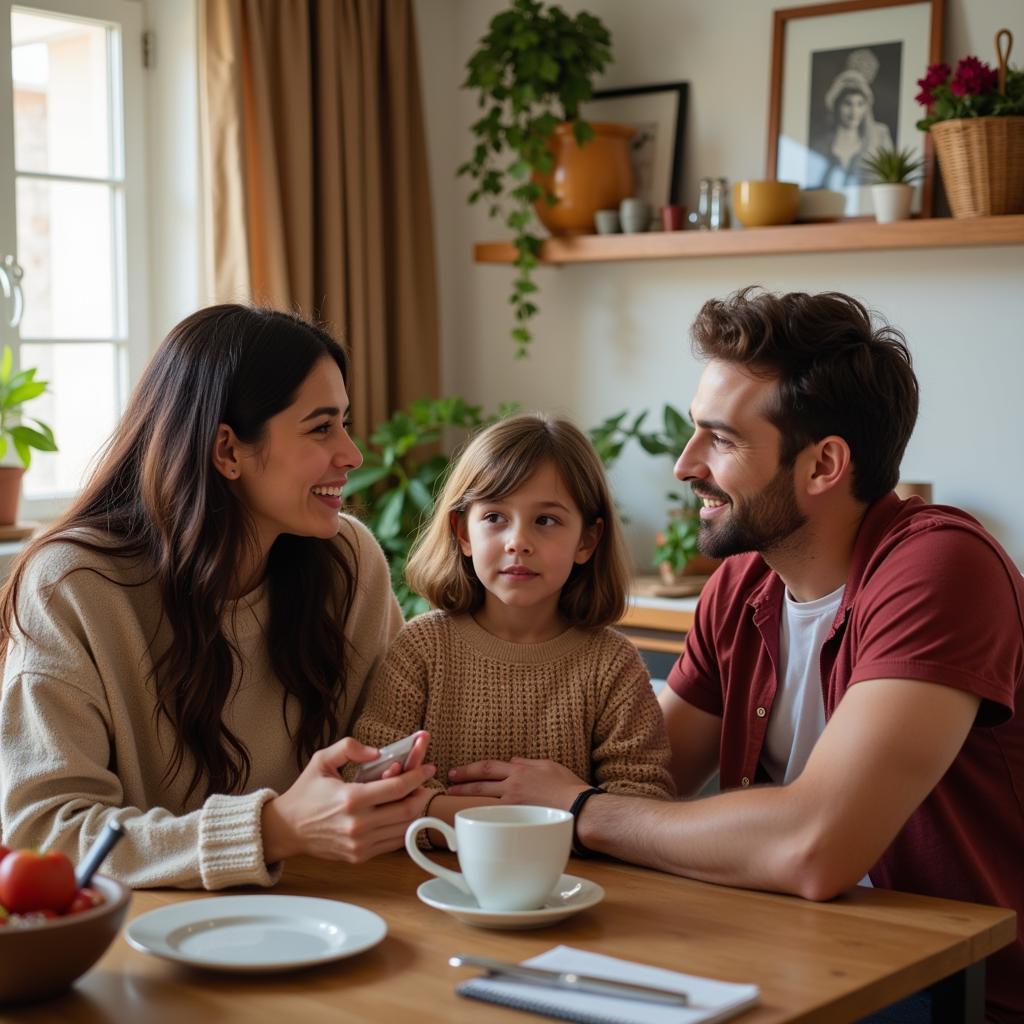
(752, 524)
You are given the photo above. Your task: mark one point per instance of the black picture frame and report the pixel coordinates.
(668, 113)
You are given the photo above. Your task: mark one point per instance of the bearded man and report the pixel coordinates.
(855, 672)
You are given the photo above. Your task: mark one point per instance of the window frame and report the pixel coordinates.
(131, 335)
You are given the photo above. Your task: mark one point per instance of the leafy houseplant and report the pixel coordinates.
(400, 474)
(534, 61)
(677, 543)
(893, 193)
(16, 389)
(975, 116)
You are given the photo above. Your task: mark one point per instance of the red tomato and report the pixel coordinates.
(3, 851)
(85, 899)
(31, 881)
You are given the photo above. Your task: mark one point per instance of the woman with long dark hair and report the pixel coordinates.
(185, 648)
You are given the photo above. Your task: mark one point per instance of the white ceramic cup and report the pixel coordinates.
(511, 857)
(634, 215)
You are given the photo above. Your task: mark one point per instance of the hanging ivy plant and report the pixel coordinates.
(533, 69)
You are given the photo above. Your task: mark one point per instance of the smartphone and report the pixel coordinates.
(400, 752)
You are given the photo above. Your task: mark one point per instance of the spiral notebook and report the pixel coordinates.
(712, 1000)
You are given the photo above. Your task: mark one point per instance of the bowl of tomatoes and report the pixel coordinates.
(51, 931)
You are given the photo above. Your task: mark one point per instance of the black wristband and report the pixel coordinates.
(577, 805)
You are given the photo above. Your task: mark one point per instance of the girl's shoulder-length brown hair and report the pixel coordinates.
(496, 462)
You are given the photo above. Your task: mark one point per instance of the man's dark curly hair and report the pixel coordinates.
(839, 371)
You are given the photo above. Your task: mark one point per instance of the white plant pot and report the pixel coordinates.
(892, 202)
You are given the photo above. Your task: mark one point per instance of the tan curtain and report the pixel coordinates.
(316, 188)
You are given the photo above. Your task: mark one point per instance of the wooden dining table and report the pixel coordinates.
(833, 962)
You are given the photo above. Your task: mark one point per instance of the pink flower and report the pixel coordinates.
(973, 77)
(937, 74)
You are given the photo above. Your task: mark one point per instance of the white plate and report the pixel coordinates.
(569, 897)
(256, 933)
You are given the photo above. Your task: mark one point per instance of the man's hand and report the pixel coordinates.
(519, 781)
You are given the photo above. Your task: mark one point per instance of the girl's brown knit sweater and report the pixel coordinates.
(583, 699)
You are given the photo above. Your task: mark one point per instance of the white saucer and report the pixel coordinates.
(256, 933)
(569, 897)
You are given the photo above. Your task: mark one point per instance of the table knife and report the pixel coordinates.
(573, 982)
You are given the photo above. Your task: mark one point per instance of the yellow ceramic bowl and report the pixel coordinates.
(760, 203)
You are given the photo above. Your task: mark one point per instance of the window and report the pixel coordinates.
(71, 173)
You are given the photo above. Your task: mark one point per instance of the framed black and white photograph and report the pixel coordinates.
(843, 85)
(658, 113)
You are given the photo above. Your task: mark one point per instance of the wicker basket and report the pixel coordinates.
(982, 161)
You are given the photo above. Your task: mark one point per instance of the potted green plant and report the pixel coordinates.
(677, 546)
(399, 477)
(894, 171)
(532, 70)
(677, 552)
(16, 389)
(975, 116)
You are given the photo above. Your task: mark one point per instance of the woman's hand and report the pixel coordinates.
(349, 821)
(519, 781)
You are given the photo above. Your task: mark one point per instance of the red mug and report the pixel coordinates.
(672, 217)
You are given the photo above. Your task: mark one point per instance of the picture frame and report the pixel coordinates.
(658, 112)
(843, 83)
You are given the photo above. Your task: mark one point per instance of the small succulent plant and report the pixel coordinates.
(894, 166)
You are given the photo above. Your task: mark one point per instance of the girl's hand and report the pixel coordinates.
(348, 821)
(519, 781)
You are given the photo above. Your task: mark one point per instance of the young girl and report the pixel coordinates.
(524, 561)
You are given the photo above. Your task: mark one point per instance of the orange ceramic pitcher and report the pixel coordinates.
(596, 176)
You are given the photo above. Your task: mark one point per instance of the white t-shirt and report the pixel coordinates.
(798, 711)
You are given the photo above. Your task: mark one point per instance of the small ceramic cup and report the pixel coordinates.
(635, 215)
(672, 217)
(511, 857)
(607, 222)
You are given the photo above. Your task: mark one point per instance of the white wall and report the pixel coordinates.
(614, 336)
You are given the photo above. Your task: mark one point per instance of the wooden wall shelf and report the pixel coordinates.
(847, 236)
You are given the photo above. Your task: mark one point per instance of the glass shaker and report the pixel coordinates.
(704, 204)
(718, 215)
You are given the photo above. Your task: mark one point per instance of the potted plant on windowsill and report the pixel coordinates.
(16, 389)
(895, 171)
(532, 70)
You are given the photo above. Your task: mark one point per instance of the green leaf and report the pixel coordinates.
(420, 495)
(390, 521)
(365, 477)
(22, 378)
(653, 446)
(27, 436)
(3, 446)
(5, 364)
(677, 427)
(24, 393)
(24, 452)
(44, 429)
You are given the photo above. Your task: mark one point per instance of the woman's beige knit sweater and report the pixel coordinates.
(583, 699)
(81, 743)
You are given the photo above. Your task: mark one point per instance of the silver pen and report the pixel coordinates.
(573, 982)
